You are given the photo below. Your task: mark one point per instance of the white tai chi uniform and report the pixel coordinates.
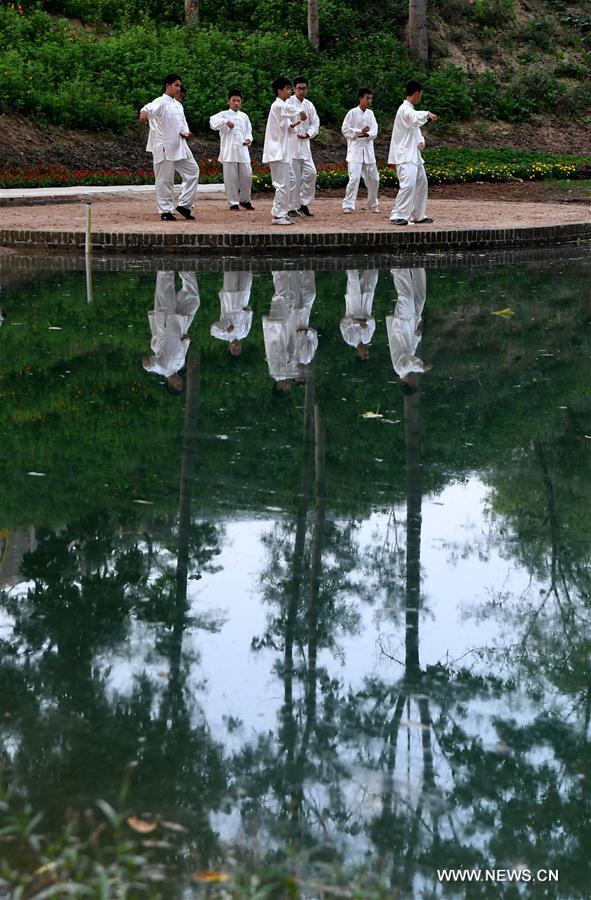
(277, 153)
(235, 315)
(411, 201)
(358, 324)
(303, 170)
(402, 327)
(289, 341)
(169, 322)
(361, 157)
(234, 155)
(171, 152)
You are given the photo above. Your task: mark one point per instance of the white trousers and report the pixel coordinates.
(411, 200)
(280, 175)
(237, 182)
(369, 173)
(303, 182)
(164, 172)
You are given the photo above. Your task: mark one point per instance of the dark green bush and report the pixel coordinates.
(493, 12)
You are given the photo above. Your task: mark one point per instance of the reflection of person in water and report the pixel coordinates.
(290, 342)
(405, 327)
(235, 314)
(169, 323)
(358, 324)
(2, 317)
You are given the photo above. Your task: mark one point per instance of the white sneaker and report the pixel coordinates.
(347, 211)
(285, 220)
(376, 210)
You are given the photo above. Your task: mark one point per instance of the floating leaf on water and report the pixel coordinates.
(209, 876)
(141, 826)
(173, 826)
(411, 724)
(391, 421)
(37, 474)
(588, 437)
(145, 502)
(55, 328)
(160, 845)
(371, 415)
(503, 312)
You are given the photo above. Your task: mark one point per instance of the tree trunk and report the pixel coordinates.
(313, 24)
(191, 12)
(417, 30)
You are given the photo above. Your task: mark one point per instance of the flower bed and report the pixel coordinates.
(444, 166)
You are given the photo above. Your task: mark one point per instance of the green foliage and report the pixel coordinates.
(493, 12)
(446, 92)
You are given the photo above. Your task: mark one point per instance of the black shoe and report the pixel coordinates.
(424, 221)
(168, 217)
(399, 221)
(304, 211)
(293, 213)
(185, 213)
(235, 207)
(247, 205)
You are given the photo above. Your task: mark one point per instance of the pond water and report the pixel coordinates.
(328, 592)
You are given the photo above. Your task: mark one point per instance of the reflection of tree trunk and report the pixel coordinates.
(412, 442)
(555, 541)
(187, 471)
(316, 561)
(298, 559)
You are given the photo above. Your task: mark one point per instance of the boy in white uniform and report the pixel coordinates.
(167, 142)
(361, 129)
(235, 139)
(303, 170)
(276, 150)
(405, 152)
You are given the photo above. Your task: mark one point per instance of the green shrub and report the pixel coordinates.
(446, 92)
(493, 12)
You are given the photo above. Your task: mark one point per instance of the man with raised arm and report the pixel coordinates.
(405, 153)
(167, 143)
(303, 170)
(361, 129)
(235, 139)
(277, 151)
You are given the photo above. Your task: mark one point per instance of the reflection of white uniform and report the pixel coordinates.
(170, 320)
(289, 340)
(170, 152)
(358, 325)
(411, 287)
(235, 319)
(234, 155)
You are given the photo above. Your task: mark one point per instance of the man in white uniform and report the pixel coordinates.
(235, 139)
(235, 314)
(169, 323)
(167, 142)
(361, 129)
(405, 152)
(358, 324)
(405, 326)
(276, 150)
(303, 170)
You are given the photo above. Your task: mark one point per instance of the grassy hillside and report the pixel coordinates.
(502, 73)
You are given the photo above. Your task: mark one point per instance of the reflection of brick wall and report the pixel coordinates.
(13, 546)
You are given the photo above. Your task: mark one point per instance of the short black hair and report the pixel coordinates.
(170, 79)
(280, 83)
(363, 91)
(300, 79)
(413, 87)
(234, 93)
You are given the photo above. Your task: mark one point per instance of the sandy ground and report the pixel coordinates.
(212, 216)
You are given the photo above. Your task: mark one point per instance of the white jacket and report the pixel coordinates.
(301, 148)
(277, 146)
(360, 149)
(167, 119)
(406, 135)
(232, 148)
